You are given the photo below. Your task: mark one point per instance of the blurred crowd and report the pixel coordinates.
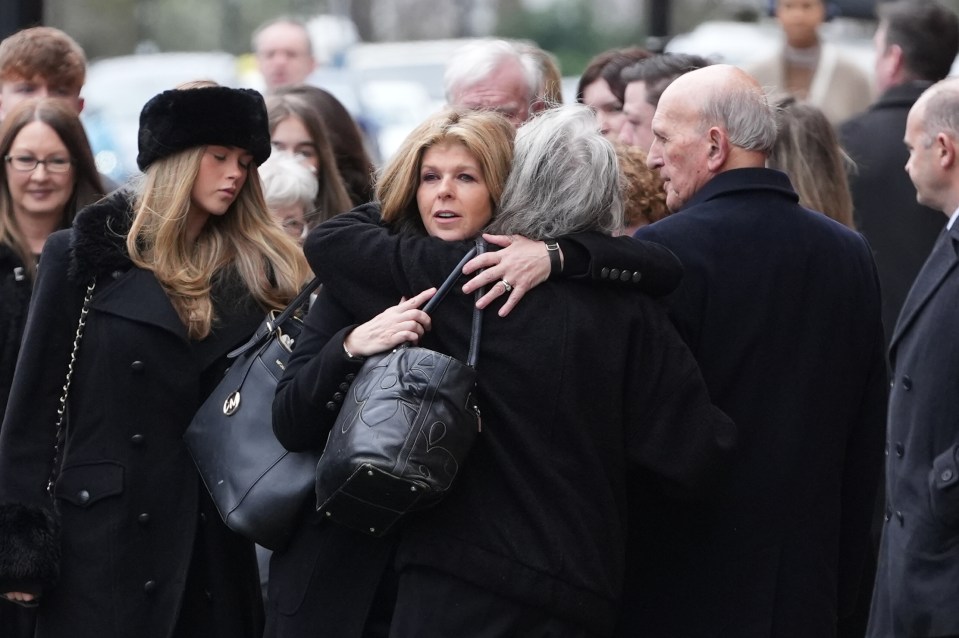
(717, 377)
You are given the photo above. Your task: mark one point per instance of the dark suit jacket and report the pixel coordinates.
(917, 584)
(780, 306)
(899, 229)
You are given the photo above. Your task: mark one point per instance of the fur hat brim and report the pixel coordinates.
(179, 119)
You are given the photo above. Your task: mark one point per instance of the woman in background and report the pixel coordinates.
(297, 128)
(289, 189)
(347, 138)
(807, 149)
(47, 175)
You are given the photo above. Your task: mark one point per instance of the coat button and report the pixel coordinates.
(202, 517)
(624, 276)
(143, 518)
(906, 383)
(343, 387)
(136, 440)
(150, 586)
(900, 518)
(604, 273)
(332, 407)
(137, 366)
(614, 273)
(350, 377)
(886, 516)
(946, 475)
(900, 449)
(83, 496)
(116, 274)
(338, 397)
(637, 276)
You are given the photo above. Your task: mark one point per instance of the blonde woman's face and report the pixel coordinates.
(452, 197)
(223, 172)
(39, 192)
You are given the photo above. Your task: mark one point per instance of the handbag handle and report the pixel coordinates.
(445, 287)
(271, 324)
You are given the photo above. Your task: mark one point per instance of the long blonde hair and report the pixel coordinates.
(268, 262)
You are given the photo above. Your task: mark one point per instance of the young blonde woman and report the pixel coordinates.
(185, 264)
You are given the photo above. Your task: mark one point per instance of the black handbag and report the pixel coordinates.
(405, 428)
(259, 488)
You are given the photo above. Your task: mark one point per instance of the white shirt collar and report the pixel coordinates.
(952, 219)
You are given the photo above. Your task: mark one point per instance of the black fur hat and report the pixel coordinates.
(183, 118)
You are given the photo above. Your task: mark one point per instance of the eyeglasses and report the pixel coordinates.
(294, 228)
(26, 163)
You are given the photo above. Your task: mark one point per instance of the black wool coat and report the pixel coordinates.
(917, 582)
(140, 544)
(780, 306)
(900, 230)
(15, 289)
(578, 382)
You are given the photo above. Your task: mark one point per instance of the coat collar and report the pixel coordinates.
(99, 238)
(744, 179)
(901, 95)
(941, 261)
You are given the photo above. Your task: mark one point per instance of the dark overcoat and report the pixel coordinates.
(899, 229)
(576, 383)
(140, 543)
(917, 583)
(780, 306)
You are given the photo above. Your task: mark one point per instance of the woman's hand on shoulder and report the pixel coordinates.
(395, 325)
(520, 266)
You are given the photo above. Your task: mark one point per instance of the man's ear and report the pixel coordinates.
(946, 150)
(536, 106)
(718, 148)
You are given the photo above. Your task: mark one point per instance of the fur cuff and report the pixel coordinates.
(29, 548)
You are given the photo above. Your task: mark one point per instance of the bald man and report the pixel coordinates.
(780, 306)
(917, 584)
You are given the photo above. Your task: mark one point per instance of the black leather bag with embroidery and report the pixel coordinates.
(405, 428)
(259, 488)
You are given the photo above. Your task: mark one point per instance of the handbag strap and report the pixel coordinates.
(272, 324)
(445, 287)
(62, 408)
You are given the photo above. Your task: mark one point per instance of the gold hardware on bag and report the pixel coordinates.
(232, 403)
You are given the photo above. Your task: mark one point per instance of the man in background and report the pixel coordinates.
(495, 75)
(284, 52)
(916, 43)
(645, 82)
(41, 62)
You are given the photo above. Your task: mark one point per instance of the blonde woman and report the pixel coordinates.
(185, 264)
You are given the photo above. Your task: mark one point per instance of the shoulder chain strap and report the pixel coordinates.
(62, 409)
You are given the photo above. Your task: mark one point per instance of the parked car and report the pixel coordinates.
(117, 88)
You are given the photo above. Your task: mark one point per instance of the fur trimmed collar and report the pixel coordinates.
(100, 236)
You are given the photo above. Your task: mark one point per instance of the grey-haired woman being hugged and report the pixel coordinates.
(183, 266)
